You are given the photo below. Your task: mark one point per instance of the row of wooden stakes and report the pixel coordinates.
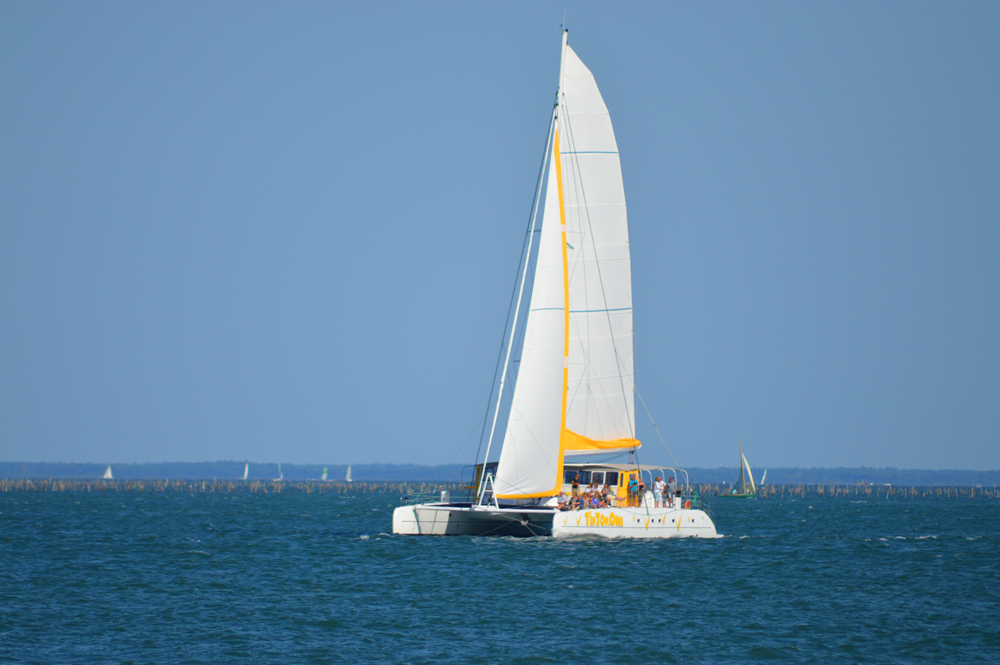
(431, 490)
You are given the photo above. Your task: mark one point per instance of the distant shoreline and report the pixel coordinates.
(232, 470)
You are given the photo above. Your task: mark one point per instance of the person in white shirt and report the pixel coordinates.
(658, 487)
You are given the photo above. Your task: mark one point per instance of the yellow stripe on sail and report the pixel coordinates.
(565, 257)
(557, 160)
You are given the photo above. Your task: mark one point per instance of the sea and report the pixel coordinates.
(295, 577)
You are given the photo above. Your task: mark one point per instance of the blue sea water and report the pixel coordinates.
(144, 577)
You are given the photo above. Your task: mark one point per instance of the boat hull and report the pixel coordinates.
(437, 519)
(635, 523)
(641, 522)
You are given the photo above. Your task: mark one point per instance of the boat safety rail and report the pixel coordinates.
(688, 499)
(432, 496)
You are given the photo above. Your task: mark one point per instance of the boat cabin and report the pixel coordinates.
(618, 476)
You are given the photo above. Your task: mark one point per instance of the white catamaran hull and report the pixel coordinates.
(634, 523)
(449, 520)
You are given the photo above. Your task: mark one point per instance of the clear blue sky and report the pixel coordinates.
(288, 232)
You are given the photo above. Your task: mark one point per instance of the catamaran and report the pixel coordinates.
(574, 389)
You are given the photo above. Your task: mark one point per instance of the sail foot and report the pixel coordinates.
(577, 442)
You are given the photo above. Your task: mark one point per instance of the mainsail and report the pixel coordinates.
(742, 487)
(746, 464)
(574, 391)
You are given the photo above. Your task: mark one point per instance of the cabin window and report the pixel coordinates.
(585, 477)
(568, 476)
(598, 477)
(611, 478)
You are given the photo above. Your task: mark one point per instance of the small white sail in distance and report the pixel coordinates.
(107, 474)
(281, 476)
(763, 478)
(348, 478)
(246, 470)
(323, 477)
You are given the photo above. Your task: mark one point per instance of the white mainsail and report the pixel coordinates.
(246, 470)
(107, 474)
(323, 477)
(348, 477)
(574, 391)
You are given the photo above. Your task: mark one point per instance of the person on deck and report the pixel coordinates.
(671, 490)
(561, 501)
(658, 487)
(633, 491)
(576, 485)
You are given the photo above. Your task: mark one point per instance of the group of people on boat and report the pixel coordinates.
(595, 496)
(592, 497)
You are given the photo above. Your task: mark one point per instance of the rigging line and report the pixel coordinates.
(643, 402)
(600, 277)
(469, 438)
(519, 344)
(520, 294)
(527, 237)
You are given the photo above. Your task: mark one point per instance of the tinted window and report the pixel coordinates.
(611, 477)
(568, 476)
(585, 477)
(598, 477)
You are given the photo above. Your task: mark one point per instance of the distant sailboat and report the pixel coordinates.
(743, 489)
(281, 476)
(763, 478)
(246, 470)
(107, 474)
(348, 478)
(323, 477)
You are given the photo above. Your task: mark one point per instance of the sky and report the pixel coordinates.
(289, 231)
